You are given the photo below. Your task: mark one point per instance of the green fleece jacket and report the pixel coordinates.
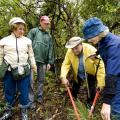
(42, 45)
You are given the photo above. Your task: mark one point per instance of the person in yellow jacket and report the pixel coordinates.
(86, 65)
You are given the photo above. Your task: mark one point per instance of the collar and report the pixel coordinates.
(13, 35)
(40, 28)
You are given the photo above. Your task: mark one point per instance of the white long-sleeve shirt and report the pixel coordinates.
(9, 53)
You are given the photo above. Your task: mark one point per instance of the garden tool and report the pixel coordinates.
(73, 103)
(94, 102)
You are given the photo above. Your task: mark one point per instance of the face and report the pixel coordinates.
(20, 30)
(44, 25)
(94, 40)
(77, 49)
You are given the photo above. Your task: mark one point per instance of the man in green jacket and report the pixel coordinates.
(43, 50)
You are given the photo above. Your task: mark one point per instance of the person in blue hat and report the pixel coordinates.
(108, 47)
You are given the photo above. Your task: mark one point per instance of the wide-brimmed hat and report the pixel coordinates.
(16, 20)
(93, 27)
(73, 42)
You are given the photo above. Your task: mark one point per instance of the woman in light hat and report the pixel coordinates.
(108, 46)
(16, 50)
(86, 69)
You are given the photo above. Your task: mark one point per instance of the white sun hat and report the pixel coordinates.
(16, 20)
(73, 42)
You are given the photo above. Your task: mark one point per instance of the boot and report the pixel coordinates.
(24, 114)
(6, 115)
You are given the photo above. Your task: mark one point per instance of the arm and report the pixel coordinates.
(100, 72)
(112, 64)
(112, 70)
(31, 58)
(99, 66)
(1, 52)
(31, 34)
(51, 52)
(65, 66)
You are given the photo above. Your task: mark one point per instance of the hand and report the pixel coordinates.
(65, 81)
(48, 66)
(105, 112)
(34, 68)
(100, 88)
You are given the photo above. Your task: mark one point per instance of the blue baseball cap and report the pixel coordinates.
(93, 27)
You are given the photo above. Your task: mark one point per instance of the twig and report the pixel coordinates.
(56, 114)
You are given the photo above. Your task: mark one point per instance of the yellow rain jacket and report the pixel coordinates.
(90, 65)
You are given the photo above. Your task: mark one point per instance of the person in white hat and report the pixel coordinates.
(43, 50)
(16, 51)
(87, 67)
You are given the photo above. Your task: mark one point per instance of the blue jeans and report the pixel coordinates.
(11, 86)
(31, 88)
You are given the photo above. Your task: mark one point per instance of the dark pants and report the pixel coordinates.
(92, 88)
(115, 103)
(11, 86)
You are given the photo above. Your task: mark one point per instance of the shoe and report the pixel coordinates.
(6, 115)
(24, 114)
(32, 106)
(40, 106)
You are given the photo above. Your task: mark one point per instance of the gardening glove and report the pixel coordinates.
(65, 81)
(34, 68)
(105, 112)
(48, 67)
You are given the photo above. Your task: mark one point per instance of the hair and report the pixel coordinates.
(104, 33)
(15, 26)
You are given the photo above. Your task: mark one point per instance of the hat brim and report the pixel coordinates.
(94, 32)
(68, 45)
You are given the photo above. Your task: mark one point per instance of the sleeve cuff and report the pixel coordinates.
(107, 98)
